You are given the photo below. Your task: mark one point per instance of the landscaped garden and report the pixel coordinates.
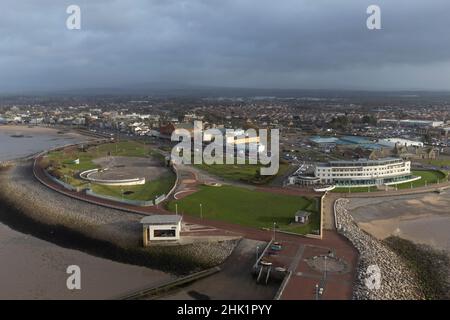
(67, 164)
(427, 177)
(250, 208)
(248, 173)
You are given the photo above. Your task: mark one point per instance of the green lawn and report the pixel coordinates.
(438, 162)
(427, 177)
(250, 208)
(122, 148)
(149, 191)
(242, 172)
(63, 161)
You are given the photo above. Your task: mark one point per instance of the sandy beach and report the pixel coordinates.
(423, 218)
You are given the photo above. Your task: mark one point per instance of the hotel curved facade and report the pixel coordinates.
(364, 172)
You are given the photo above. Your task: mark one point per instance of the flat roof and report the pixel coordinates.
(302, 213)
(360, 162)
(161, 219)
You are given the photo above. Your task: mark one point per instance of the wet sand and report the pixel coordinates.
(419, 218)
(31, 268)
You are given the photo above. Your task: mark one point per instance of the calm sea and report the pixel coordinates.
(16, 142)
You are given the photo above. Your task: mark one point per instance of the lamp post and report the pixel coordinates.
(274, 225)
(201, 211)
(176, 208)
(325, 275)
(257, 254)
(317, 291)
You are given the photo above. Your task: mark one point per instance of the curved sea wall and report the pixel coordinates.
(28, 206)
(87, 175)
(397, 282)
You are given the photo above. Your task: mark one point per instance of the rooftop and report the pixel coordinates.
(161, 219)
(302, 213)
(360, 162)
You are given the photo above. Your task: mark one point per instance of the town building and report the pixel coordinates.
(392, 142)
(302, 217)
(365, 172)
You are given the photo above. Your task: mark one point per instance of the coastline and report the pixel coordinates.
(29, 207)
(103, 232)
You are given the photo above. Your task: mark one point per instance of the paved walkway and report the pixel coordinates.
(298, 283)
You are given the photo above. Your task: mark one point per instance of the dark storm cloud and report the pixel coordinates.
(252, 43)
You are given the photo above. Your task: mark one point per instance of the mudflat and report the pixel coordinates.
(31, 268)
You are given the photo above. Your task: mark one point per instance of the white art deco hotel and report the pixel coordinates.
(364, 172)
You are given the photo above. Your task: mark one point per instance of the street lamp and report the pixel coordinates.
(201, 211)
(325, 275)
(274, 225)
(176, 208)
(257, 254)
(317, 291)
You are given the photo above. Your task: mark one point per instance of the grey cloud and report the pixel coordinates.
(252, 43)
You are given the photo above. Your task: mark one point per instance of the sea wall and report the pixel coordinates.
(397, 281)
(28, 206)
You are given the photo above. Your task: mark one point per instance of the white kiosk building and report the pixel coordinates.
(161, 228)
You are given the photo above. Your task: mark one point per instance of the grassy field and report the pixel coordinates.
(64, 159)
(427, 177)
(250, 208)
(443, 162)
(63, 163)
(243, 172)
(149, 191)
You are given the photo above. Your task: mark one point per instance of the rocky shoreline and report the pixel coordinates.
(28, 206)
(397, 281)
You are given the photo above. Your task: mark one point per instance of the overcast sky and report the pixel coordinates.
(305, 44)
